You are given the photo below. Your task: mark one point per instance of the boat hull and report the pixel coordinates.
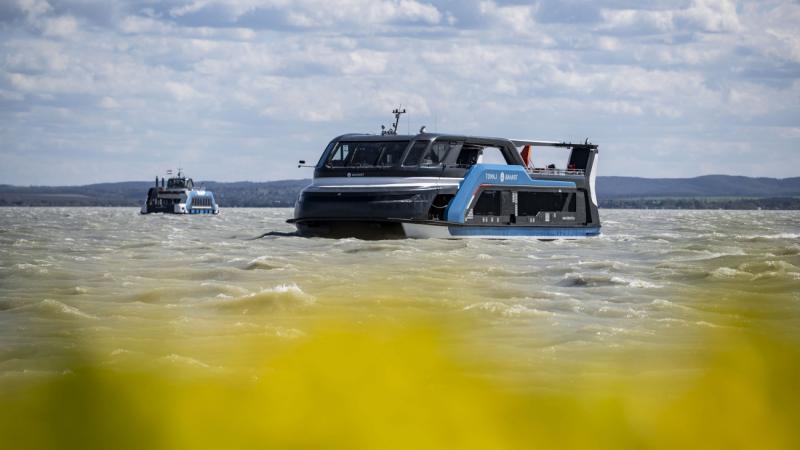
(363, 205)
(178, 210)
(446, 230)
(367, 229)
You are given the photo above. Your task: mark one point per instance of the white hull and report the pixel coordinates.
(427, 231)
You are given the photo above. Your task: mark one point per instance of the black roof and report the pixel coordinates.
(421, 136)
(479, 139)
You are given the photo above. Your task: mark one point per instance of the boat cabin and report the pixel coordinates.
(439, 155)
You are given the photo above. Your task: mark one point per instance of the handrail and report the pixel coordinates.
(546, 171)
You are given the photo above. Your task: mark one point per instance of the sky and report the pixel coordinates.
(231, 90)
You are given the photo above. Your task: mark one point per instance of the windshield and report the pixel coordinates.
(367, 154)
(434, 156)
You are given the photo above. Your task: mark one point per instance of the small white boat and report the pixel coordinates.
(177, 195)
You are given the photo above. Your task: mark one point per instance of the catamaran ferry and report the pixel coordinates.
(179, 196)
(448, 186)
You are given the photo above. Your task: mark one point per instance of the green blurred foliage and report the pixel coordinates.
(374, 387)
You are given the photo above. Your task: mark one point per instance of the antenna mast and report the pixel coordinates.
(393, 131)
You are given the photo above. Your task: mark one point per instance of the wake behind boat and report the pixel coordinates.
(443, 185)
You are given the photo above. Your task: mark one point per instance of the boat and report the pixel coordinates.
(436, 185)
(178, 195)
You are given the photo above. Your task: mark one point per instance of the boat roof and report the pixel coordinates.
(480, 139)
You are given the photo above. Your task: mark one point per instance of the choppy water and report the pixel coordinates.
(186, 291)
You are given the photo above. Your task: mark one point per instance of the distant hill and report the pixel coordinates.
(133, 193)
(705, 186)
(711, 191)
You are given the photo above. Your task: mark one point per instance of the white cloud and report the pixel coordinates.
(33, 8)
(321, 13)
(700, 15)
(181, 91)
(147, 84)
(62, 26)
(712, 15)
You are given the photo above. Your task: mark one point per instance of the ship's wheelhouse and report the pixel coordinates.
(424, 155)
(180, 183)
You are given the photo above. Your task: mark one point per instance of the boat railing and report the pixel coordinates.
(550, 171)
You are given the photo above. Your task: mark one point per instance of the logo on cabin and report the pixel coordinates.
(508, 177)
(502, 177)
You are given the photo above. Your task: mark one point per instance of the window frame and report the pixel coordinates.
(357, 146)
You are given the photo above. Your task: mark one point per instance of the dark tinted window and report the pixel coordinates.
(468, 156)
(490, 203)
(339, 156)
(433, 157)
(366, 154)
(531, 203)
(392, 153)
(436, 154)
(415, 153)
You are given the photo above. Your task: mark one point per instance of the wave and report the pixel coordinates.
(136, 245)
(767, 237)
(729, 273)
(54, 309)
(503, 309)
(277, 297)
(603, 264)
(789, 250)
(262, 263)
(768, 266)
(598, 280)
(372, 249)
(182, 362)
(757, 271)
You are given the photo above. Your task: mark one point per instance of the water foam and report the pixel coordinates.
(723, 273)
(261, 263)
(597, 280)
(55, 308)
(505, 310)
(284, 295)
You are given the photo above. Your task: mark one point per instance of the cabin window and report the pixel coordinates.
(468, 156)
(339, 156)
(416, 153)
(367, 154)
(490, 203)
(531, 203)
(364, 154)
(392, 152)
(201, 201)
(437, 153)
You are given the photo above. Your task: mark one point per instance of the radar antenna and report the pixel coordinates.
(393, 130)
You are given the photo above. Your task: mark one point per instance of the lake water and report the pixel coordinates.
(122, 282)
(198, 296)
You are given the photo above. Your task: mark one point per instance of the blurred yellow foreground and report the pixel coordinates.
(406, 388)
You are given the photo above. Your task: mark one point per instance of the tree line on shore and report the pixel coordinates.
(710, 192)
